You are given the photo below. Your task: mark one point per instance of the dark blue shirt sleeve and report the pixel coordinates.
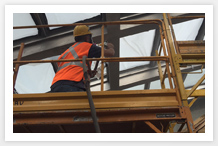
(94, 52)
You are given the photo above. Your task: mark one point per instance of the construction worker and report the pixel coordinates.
(69, 76)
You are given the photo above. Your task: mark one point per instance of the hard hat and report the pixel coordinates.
(80, 30)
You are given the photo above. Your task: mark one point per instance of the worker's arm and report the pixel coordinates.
(109, 50)
(95, 51)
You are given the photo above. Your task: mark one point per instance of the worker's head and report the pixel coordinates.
(82, 33)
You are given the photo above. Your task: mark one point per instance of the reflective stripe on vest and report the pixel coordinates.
(75, 55)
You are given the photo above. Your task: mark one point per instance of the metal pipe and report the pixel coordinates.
(173, 34)
(114, 59)
(167, 63)
(102, 56)
(91, 103)
(160, 49)
(160, 72)
(164, 75)
(186, 17)
(17, 65)
(194, 72)
(93, 23)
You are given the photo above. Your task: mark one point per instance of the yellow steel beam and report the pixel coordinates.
(106, 99)
(104, 115)
(196, 93)
(175, 59)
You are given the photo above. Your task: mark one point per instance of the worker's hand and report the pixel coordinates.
(109, 45)
(92, 73)
(109, 51)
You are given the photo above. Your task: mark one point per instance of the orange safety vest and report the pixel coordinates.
(72, 71)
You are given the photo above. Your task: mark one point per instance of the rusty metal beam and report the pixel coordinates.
(191, 47)
(106, 99)
(104, 115)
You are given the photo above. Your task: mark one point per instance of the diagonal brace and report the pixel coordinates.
(153, 127)
(195, 86)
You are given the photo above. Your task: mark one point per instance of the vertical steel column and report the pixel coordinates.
(113, 67)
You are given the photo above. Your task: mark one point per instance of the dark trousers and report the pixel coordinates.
(66, 88)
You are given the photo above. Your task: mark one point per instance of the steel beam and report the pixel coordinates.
(191, 47)
(139, 75)
(156, 44)
(104, 115)
(196, 93)
(113, 68)
(186, 17)
(201, 31)
(106, 99)
(40, 19)
(147, 85)
(50, 46)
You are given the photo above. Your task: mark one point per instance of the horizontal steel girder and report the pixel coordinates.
(106, 99)
(104, 115)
